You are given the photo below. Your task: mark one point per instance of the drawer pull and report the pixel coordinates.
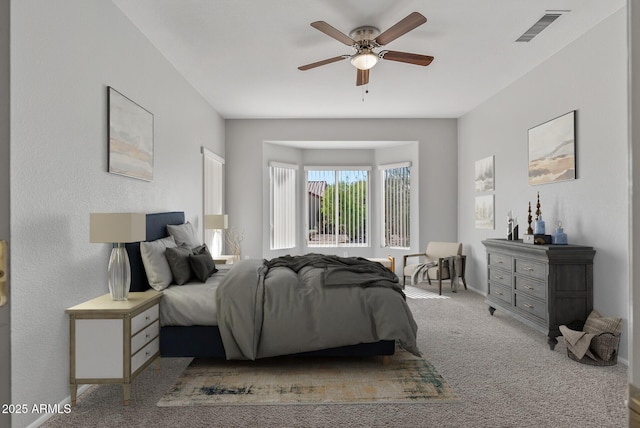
(498, 293)
(147, 318)
(498, 277)
(528, 306)
(500, 262)
(528, 287)
(529, 269)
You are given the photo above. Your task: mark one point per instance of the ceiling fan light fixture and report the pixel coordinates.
(364, 60)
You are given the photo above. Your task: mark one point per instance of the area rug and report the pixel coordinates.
(406, 379)
(418, 293)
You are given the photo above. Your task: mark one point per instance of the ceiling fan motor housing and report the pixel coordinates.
(365, 36)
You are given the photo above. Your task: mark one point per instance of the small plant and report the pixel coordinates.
(233, 237)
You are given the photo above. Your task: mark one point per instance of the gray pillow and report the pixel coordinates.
(155, 263)
(202, 264)
(184, 234)
(178, 259)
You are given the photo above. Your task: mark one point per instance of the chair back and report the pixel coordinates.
(444, 249)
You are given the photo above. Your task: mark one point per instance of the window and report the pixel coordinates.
(282, 178)
(396, 205)
(337, 206)
(213, 185)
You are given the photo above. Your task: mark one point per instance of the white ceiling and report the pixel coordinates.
(242, 55)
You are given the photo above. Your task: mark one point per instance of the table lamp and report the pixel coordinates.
(216, 222)
(118, 229)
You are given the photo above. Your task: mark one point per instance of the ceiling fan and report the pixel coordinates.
(367, 38)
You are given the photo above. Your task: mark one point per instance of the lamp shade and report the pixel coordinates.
(216, 221)
(117, 227)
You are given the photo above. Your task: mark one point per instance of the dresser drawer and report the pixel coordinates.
(531, 305)
(144, 318)
(500, 292)
(145, 354)
(530, 268)
(528, 286)
(145, 336)
(501, 276)
(500, 260)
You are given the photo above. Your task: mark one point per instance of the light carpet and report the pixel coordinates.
(405, 379)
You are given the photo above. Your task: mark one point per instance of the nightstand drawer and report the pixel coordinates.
(144, 337)
(534, 269)
(144, 318)
(145, 354)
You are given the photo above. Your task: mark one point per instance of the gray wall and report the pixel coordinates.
(589, 76)
(64, 55)
(435, 158)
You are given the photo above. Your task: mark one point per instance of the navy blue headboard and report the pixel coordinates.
(156, 229)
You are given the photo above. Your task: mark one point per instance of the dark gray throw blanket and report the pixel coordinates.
(284, 306)
(342, 271)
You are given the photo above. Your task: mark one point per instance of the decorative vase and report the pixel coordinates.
(539, 227)
(559, 237)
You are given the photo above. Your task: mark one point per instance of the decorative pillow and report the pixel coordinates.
(178, 258)
(184, 234)
(202, 264)
(155, 263)
(597, 324)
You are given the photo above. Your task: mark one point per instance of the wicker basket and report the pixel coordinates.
(602, 344)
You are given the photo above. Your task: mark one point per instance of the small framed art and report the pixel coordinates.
(130, 138)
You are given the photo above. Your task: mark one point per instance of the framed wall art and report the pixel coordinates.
(484, 175)
(130, 138)
(552, 150)
(484, 212)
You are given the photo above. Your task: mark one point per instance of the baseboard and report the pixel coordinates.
(45, 417)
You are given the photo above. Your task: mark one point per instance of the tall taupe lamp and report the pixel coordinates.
(216, 222)
(118, 229)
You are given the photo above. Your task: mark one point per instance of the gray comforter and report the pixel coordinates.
(306, 303)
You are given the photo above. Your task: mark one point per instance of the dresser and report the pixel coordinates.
(544, 286)
(113, 341)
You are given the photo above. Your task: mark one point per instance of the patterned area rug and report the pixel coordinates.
(418, 293)
(406, 379)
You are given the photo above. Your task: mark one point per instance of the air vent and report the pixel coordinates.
(537, 28)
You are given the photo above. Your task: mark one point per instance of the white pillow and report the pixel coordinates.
(184, 234)
(155, 262)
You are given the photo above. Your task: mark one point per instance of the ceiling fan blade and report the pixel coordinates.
(362, 78)
(332, 32)
(409, 58)
(323, 62)
(405, 25)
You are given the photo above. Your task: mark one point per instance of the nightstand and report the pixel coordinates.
(113, 341)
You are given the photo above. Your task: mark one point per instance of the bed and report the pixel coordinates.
(207, 340)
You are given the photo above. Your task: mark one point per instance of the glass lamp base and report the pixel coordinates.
(119, 273)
